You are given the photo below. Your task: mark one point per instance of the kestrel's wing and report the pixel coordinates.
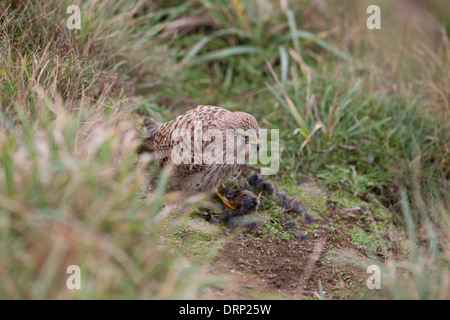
(211, 117)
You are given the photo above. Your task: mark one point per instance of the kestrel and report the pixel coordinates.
(207, 172)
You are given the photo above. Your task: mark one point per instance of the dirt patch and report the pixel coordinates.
(292, 269)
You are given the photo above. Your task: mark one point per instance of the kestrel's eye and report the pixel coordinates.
(246, 138)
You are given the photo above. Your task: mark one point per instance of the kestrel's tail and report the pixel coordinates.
(152, 126)
(149, 139)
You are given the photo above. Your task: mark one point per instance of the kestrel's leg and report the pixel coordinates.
(225, 201)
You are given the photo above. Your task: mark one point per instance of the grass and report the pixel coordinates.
(362, 120)
(72, 191)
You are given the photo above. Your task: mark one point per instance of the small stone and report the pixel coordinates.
(286, 203)
(282, 195)
(290, 224)
(296, 206)
(299, 235)
(309, 218)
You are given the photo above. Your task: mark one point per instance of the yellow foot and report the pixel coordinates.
(234, 186)
(224, 201)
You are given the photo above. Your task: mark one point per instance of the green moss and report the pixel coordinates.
(364, 240)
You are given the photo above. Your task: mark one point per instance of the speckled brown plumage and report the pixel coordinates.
(201, 176)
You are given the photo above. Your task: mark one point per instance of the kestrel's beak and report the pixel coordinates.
(256, 142)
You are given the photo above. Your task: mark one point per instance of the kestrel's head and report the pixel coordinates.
(246, 121)
(247, 130)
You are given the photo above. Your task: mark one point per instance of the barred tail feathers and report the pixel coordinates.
(149, 139)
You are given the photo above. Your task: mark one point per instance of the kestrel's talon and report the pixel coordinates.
(234, 186)
(225, 201)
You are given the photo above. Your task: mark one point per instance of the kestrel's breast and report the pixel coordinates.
(198, 176)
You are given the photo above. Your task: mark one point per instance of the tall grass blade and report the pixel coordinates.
(226, 53)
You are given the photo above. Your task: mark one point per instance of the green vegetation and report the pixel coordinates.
(364, 240)
(364, 134)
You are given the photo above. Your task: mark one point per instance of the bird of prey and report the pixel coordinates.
(214, 166)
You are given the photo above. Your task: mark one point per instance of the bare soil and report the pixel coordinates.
(289, 269)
